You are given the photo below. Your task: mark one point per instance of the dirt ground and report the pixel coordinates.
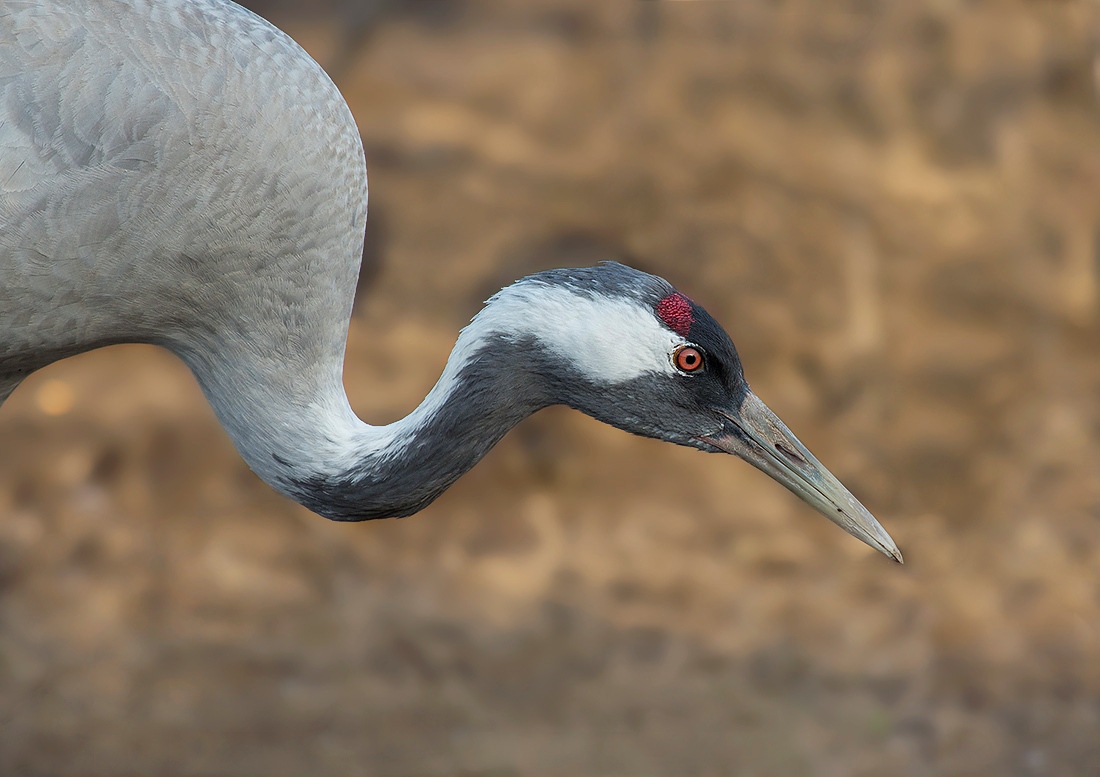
(895, 210)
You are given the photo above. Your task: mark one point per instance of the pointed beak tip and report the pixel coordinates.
(885, 545)
(764, 441)
(880, 541)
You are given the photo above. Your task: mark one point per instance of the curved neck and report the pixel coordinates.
(396, 470)
(303, 438)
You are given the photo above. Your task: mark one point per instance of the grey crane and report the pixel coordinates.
(180, 172)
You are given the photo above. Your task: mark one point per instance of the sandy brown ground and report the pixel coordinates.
(895, 209)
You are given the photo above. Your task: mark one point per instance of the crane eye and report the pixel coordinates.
(688, 358)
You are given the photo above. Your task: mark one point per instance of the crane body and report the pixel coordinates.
(182, 173)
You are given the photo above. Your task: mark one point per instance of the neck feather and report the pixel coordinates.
(321, 455)
(396, 470)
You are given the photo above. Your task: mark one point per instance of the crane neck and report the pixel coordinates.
(398, 469)
(302, 437)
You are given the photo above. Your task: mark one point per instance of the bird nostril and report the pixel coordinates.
(789, 453)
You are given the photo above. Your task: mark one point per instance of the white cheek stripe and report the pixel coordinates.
(609, 340)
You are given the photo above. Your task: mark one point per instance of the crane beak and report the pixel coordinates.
(755, 434)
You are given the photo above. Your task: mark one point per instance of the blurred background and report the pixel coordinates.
(895, 210)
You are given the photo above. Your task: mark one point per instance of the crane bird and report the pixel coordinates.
(182, 173)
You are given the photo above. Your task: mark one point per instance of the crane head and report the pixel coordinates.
(628, 349)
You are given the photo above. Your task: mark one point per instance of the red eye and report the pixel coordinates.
(688, 359)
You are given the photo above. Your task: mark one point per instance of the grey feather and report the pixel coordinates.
(177, 172)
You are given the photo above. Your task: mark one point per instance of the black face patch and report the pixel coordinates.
(723, 362)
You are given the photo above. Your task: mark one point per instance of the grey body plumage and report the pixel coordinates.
(181, 173)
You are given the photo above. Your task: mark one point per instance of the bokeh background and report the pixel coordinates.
(894, 208)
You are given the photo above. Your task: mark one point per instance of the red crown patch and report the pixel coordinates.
(676, 311)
